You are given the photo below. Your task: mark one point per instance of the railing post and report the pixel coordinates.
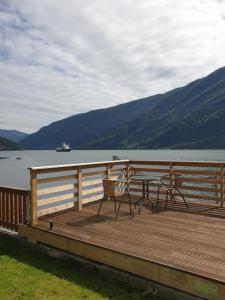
(171, 171)
(128, 170)
(222, 185)
(28, 207)
(128, 176)
(108, 169)
(33, 197)
(109, 166)
(79, 189)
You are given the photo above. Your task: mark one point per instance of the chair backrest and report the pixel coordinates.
(177, 180)
(114, 188)
(109, 187)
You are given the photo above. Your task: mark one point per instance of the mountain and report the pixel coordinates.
(6, 144)
(13, 135)
(188, 117)
(80, 129)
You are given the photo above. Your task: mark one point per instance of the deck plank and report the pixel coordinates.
(191, 242)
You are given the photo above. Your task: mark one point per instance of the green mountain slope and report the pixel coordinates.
(13, 135)
(192, 116)
(6, 144)
(80, 129)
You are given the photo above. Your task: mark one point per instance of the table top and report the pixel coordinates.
(145, 178)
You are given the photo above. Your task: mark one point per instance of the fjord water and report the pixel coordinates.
(14, 172)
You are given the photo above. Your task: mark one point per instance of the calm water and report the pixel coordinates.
(14, 172)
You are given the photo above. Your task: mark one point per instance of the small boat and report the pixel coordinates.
(64, 148)
(4, 157)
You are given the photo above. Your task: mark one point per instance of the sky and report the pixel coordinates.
(60, 58)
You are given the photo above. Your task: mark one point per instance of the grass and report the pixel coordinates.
(27, 274)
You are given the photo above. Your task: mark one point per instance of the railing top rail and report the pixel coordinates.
(179, 162)
(12, 189)
(72, 166)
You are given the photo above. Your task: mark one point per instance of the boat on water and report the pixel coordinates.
(64, 148)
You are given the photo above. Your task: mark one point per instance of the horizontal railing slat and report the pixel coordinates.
(54, 209)
(92, 198)
(91, 182)
(197, 172)
(95, 173)
(55, 189)
(91, 191)
(153, 170)
(56, 179)
(55, 199)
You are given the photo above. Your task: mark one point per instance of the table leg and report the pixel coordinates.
(158, 200)
(144, 194)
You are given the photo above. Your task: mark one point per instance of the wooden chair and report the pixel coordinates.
(172, 184)
(117, 191)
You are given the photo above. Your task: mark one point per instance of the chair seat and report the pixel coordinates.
(169, 187)
(172, 184)
(112, 190)
(119, 193)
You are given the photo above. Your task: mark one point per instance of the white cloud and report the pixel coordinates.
(59, 58)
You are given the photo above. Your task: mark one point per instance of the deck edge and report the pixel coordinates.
(154, 271)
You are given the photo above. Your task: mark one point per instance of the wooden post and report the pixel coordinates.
(128, 171)
(33, 197)
(79, 189)
(222, 184)
(128, 176)
(28, 207)
(171, 172)
(109, 166)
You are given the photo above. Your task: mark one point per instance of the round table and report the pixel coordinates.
(145, 191)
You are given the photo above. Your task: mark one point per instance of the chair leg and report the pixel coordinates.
(115, 204)
(183, 199)
(139, 209)
(131, 211)
(157, 202)
(118, 210)
(185, 202)
(100, 206)
(135, 204)
(167, 196)
(173, 197)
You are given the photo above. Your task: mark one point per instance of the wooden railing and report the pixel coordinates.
(13, 207)
(202, 181)
(56, 188)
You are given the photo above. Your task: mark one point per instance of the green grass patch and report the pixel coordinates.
(28, 274)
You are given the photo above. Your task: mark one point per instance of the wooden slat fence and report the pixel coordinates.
(202, 181)
(56, 188)
(13, 207)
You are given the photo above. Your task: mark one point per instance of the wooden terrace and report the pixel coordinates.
(178, 247)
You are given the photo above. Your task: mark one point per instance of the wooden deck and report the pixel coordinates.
(185, 250)
(181, 248)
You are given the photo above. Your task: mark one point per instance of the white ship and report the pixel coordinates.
(64, 148)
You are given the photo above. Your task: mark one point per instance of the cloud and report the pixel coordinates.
(59, 58)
